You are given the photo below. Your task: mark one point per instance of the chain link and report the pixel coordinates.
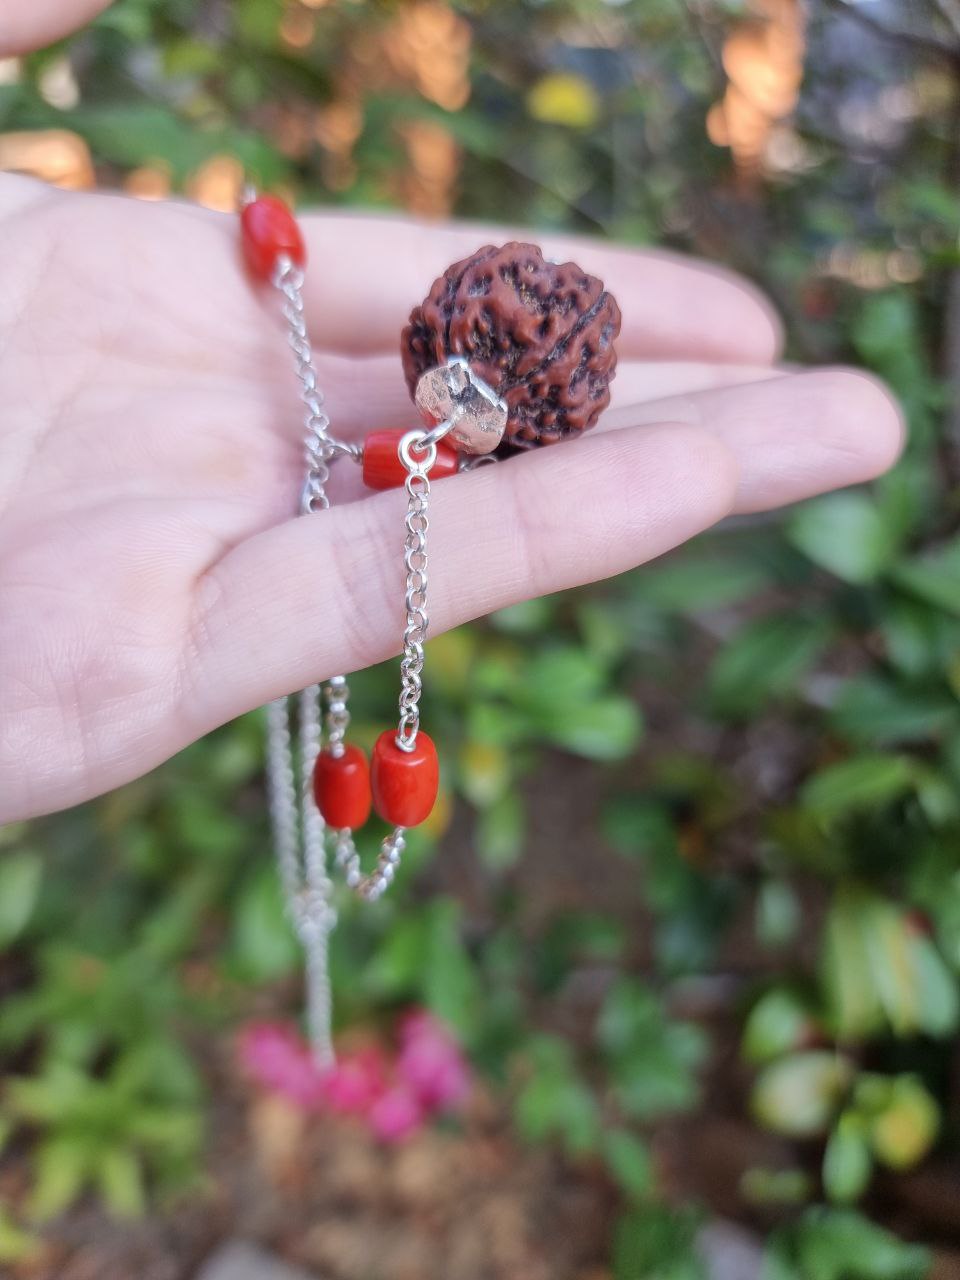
(298, 827)
(319, 447)
(417, 458)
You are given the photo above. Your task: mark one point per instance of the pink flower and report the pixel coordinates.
(278, 1058)
(396, 1115)
(430, 1063)
(356, 1082)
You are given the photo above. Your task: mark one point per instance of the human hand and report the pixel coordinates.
(153, 583)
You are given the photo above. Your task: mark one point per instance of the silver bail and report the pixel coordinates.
(451, 394)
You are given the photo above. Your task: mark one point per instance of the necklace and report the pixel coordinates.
(506, 352)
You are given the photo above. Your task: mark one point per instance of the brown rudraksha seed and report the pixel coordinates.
(541, 335)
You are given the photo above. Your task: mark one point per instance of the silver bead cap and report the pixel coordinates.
(452, 394)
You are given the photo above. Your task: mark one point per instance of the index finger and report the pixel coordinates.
(367, 271)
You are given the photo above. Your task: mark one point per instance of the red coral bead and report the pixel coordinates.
(270, 231)
(404, 783)
(382, 468)
(341, 788)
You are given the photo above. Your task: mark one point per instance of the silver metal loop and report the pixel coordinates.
(437, 433)
(417, 466)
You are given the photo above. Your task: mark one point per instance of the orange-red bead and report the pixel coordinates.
(382, 468)
(341, 788)
(404, 783)
(270, 231)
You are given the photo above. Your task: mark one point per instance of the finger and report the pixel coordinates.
(792, 436)
(311, 597)
(366, 394)
(31, 24)
(367, 272)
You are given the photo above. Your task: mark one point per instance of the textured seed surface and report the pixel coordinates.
(541, 334)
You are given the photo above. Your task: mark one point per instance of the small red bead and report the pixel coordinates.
(341, 788)
(382, 468)
(270, 231)
(404, 783)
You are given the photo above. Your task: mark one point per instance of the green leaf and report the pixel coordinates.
(120, 1181)
(17, 1245)
(21, 875)
(871, 711)
(864, 782)
(658, 1243)
(846, 1161)
(905, 1129)
(936, 988)
(653, 1060)
(628, 1159)
(264, 946)
(854, 1002)
(840, 1244)
(501, 828)
(61, 1167)
(450, 983)
(606, 728)
(778, 1023)
(555, 1102)
(765, 660)
(799, 1095)
(933, 577)
(877, 968)
(692, 582)
(846, 534)
(778, 913)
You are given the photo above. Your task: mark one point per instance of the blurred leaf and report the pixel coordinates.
(765, 659)
(564, 98)
(501, 828)
(658, 1243)
(264, 946)
(877, 968)
(653, 1060)
(846, 534)
(17, 1245)
(799, 1095)
(449, 979)
(484, 772)
(605, 728)
(554, 1102)
(848, 979)
(846, 1161)
(863, 782)
(780, 1021)
(840, 1244)
(61, 1168)
(21, 874)
(933, 577)
(779, 913)
(695, 581)
(872, 711)
(938, 996)
(120, 1181)
(906, 1128)
(628, 1159)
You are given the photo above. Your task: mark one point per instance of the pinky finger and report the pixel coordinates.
(324, 594)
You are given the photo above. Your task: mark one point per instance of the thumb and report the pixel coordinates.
(31, 24)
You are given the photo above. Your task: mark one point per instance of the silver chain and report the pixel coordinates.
(299, 831)
(298, 826)
(418, 455)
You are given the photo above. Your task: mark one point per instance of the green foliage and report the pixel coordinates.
(833, 1244)
(795, 799)
(657, 1244)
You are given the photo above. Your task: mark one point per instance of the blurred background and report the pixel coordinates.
(692, 954)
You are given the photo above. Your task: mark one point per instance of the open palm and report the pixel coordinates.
(153, 580)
